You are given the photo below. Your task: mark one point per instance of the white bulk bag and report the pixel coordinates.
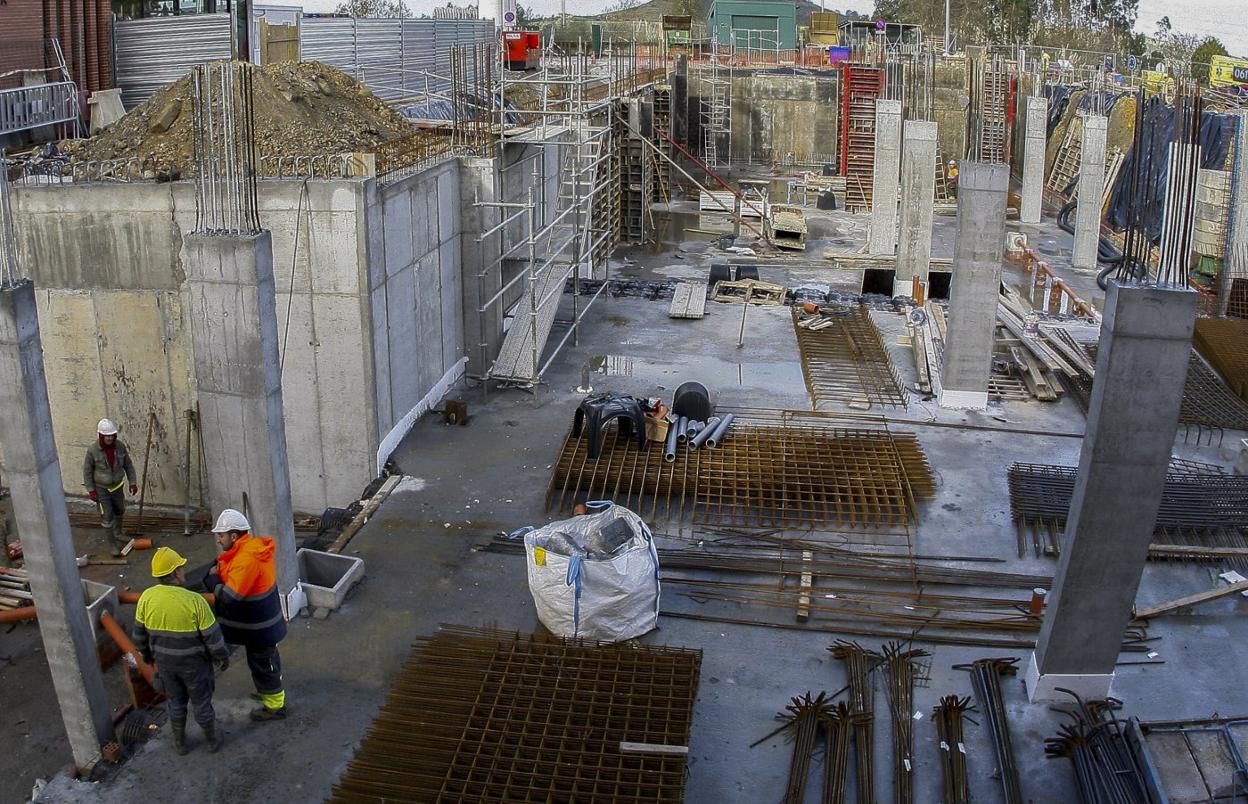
(582, 588)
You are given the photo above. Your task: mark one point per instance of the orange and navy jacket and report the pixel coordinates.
(244, 581)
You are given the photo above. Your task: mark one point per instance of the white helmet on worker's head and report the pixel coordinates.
(231, 520)
(106, 427)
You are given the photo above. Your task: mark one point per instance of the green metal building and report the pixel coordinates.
(765, 24)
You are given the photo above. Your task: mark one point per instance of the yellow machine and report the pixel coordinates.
(1156, 81)
(1225, 71)
(824, 28)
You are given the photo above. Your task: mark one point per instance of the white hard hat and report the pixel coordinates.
(106, 427)
(231, 520)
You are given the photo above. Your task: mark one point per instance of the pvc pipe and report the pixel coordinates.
(681, 424)
(721, 430)
(123, 641)
(693, 429)
(706, 432)
(18, 615)
(669, 447)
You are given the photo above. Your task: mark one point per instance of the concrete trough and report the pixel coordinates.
(327, 577)
(100, 598)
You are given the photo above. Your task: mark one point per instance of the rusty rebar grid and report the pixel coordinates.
(1224, 343)
(1201, 509)
(776, 470)
(844, 359)
(482, 715)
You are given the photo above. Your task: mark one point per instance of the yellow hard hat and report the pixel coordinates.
(165, 561)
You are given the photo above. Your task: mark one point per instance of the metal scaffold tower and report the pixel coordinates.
(567, 224)
(716, 107)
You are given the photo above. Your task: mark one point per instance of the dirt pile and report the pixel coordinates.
(301, 109)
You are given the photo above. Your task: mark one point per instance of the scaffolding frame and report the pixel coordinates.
(568, 104)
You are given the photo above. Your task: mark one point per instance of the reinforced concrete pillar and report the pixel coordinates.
(976, 285)
(1091, 188)
(1141, 367)
(238, 373)
(882, 238)
(1034, 143)
(33, 473)
(918, 194)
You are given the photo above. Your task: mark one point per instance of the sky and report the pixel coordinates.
(1220, 18)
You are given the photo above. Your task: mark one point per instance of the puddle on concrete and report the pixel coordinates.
(611, 365)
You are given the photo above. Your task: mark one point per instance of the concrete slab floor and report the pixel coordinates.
(466, 484)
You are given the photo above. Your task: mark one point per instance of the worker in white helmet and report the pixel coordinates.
(105, 471)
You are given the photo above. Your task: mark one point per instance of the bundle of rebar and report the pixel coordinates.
(837, 734)
(859, 662)
(986, 681)
(899, 672)
(482, 715)
(225, 149)
(805, 717)
(1106, 769)
(948, 716)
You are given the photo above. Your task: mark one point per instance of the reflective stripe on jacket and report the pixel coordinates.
(96, 473)
(245, 584)
(174, 627)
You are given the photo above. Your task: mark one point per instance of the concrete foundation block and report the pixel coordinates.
(327, 577)
(1044, 688)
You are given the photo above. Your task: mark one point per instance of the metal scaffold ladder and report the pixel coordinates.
(570, 247)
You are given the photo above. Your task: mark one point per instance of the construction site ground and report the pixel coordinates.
(464, 485)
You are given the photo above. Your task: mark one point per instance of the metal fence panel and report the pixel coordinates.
(160, 50)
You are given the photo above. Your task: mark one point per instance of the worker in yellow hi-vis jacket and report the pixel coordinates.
(105, 472)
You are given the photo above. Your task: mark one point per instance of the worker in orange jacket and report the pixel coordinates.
(249, 607)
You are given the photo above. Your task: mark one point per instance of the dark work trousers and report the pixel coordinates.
(112, 510)
(266, 669)
(189, 682)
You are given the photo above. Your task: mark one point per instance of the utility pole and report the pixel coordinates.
(946, 27)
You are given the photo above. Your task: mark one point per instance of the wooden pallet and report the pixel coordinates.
(688, 301)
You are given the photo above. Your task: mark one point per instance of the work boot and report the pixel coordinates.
(214, 737)
(265, 713)
(178, 727)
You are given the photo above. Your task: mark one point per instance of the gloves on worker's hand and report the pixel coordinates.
(223, 665)
(94, 495)
(134, 489)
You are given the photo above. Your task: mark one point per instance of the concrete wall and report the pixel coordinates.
(415, 287)
(949, 101)
(775, 115)
(105, 261)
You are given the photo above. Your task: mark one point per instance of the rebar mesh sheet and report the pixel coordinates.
(1200, 508)
(847, 362)
(1207, 401)
(1224, 343)
(490, 716)
(782, 469)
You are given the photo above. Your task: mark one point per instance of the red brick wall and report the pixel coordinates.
(83, 28)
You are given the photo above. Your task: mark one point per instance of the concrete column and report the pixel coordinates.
(233, 322)
(34, 477)
(1132, 418)
(1034, 143)
(976, 285)
(882, 238)
(918, 194)
(1091, 188)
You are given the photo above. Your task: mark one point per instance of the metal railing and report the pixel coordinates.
(30, 107)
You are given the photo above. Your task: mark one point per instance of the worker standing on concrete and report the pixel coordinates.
(105, 471)
(174, 627)
(245, 584)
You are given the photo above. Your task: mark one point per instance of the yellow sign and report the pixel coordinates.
(539, 557)
(1225, 71)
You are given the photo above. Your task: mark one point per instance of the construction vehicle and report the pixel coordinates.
(523, 50)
